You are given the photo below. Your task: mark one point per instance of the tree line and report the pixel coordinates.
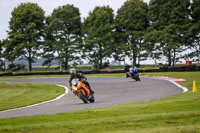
(161, 29)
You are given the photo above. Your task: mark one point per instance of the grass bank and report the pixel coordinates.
(41, 76)
(175, 114)
(15, 94)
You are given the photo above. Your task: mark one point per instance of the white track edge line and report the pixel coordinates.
(178, 85)
(66, 92)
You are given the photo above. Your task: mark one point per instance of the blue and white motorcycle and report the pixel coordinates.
(134, 73)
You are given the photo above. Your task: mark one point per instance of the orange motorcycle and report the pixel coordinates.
(82, 91)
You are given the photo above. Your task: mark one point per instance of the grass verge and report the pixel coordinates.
(13, 95)
(42, 76)
(175, 114)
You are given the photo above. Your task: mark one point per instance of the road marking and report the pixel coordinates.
(66, 92)
(180, 86)
(172, 80)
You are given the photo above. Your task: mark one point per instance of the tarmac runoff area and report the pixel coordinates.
(108, 91)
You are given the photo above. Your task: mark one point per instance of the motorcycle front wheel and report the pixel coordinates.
(83, 97)
(136, 77)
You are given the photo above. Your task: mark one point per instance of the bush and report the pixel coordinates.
(15, 67)
(106, 64)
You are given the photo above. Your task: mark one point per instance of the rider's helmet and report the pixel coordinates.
(72, 71)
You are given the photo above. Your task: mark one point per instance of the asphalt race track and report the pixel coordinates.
(108, 91)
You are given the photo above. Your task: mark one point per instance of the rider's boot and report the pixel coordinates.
(89, 97)
(91, 91)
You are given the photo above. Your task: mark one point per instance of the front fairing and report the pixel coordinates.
(77, 87)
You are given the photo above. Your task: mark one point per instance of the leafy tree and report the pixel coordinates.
(25, 33)
(3, 55)
(1, 48)
(1, 61)
(169, 24)
(153, 48)
(120, 50)
(98, 35)
(63, 35)
(194, 31)
(131, 23)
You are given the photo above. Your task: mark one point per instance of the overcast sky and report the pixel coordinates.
(6, 7)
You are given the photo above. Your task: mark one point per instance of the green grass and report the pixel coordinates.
(41, 76)
(33, 76)
(13, 95)
(175, 114)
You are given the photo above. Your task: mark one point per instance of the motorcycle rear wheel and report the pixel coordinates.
(92, 99)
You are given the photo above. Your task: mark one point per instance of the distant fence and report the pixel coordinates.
(162, 69)
(180, 68)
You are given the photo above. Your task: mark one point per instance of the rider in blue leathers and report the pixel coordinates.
(133, 70)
